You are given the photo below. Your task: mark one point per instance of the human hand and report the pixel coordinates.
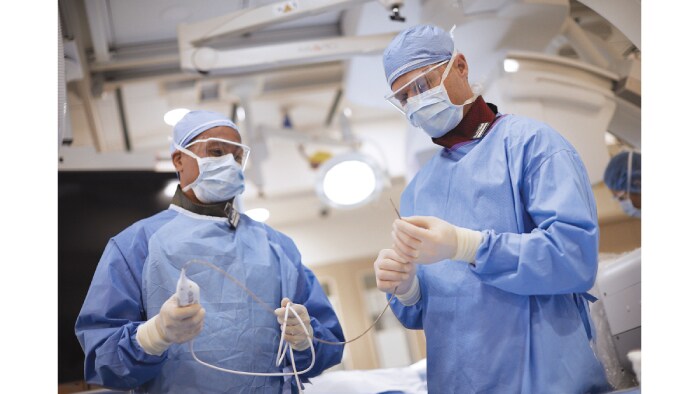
(424, 239)
(294, 331)
(393, 272)
(179, 324)
(427, 240)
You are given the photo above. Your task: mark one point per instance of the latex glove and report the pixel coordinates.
(294, 333)
(391, 270)
(427, 240)
(173, 324)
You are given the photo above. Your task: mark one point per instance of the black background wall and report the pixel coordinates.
(92, 207)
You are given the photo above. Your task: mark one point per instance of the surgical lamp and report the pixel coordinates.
(349, 180)
(345, 181)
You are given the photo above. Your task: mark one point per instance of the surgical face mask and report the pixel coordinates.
(435, 113)
(220, 178)
(432, 110)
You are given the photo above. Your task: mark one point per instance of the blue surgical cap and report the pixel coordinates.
(414, 48)
(615, 177)
(195, 123)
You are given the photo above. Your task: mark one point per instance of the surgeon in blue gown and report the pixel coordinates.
(134, 333)
(623, 176)
(498, 241)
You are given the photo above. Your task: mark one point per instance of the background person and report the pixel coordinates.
(623, 176)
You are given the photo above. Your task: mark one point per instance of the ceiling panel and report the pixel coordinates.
(137, 21)
(307, 91)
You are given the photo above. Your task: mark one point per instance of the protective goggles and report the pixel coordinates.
(621, 195)
(425, 81)
(217, 147)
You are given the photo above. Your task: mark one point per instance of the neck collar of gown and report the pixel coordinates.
(473, 125)
(219, 209)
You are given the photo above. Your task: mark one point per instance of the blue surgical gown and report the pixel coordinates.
(515, 321)
(138, 272)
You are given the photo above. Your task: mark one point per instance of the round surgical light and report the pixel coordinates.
(258, 214)
(349, 181)
(173, 116)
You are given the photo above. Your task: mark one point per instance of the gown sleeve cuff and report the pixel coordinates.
(412, 296)
(468, 242)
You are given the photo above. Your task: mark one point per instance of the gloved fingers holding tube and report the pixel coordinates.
(393, 272)
(424, 239)
(180, 324)
(428, 240)
(173, 324)
(405, 245)
(294, 332)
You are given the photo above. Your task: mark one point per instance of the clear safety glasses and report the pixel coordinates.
(425, 81)
(217, 147)
(620, 195)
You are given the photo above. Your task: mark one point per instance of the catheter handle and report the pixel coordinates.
(187, 291)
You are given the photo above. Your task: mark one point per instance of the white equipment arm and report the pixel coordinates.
(194, 55)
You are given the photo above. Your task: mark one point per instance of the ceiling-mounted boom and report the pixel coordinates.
(195, 55)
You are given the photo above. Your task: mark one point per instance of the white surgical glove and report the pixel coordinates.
(294, 333)
(174, 324)
(394, 272)
(427, 240)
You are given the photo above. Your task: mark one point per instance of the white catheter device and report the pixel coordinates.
(187, 290)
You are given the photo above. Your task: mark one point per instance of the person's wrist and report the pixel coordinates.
(412, 295)
(468, 242)
(302, 345)
(150, 337)
(158, 324)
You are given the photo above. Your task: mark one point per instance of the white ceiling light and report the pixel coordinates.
(173, 116)
(349, 180)
(170, 188)
(240, 114)
(610, 139)
(511, 65)
(165, 165)
(258, 214)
